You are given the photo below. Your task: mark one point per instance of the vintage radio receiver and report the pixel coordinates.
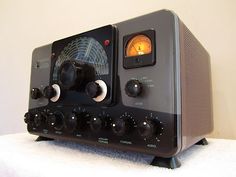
(141, 85)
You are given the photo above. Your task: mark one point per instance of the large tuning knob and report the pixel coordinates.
(75, 76)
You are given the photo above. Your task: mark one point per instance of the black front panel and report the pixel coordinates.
(95, 98)
(95, 49)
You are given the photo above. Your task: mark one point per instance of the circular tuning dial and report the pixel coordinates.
(56, 120)
(133, 88)
(75, 76)
(121, 126)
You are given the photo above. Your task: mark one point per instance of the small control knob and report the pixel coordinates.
(96, 124)
(93, 89)
(38, 119)
(120, 127)
(133, 88)
(35, 93)
(77, 121)
(71, 122)
(147, 128)
(28, 118)
(49, 92)
(56, 120)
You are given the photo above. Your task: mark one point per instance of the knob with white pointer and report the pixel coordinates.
(147, 128)
(121, 126)
(38, 119)
(133, 88)
(55, 120)
(71, 122)
(35, 93)
(96, 124)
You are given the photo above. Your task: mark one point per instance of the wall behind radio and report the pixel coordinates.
(27, 24)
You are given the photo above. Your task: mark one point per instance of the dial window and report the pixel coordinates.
(138, 45)
(139, 49)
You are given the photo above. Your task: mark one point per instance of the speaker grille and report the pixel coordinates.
(196, 88)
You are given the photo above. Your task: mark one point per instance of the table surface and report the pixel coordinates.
(21, 156)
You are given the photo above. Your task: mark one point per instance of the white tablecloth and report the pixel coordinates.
(21, 156)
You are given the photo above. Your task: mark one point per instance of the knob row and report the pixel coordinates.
(81, 121)
(51, 92)
(97, 90)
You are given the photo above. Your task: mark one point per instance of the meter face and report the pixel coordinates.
(138, 45)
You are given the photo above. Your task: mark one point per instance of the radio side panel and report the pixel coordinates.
(40, 73)
(197, 119)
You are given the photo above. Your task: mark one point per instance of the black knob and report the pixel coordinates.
(56, 120)
(28, 118)
(35, 93)
(147, 128)
(38, 119)
(133, 88)
(71, 122)
(75, 76)
(120, 127)
(83, 122)
(77, 121)
(93, 89)
(96, 124)
(49, 92)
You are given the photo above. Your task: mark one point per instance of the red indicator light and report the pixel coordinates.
(106, 42)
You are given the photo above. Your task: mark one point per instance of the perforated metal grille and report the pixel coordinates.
(196, 88)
